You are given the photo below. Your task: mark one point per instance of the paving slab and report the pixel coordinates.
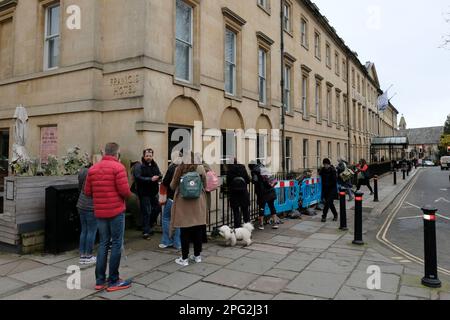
(8, 285)
(389, 282)
(220, 261)
(246, 295)
(296, 297)
(260, 255)
(281, 273)
(303, 227)
(269, 285)
(19, 266)
(151, 294)
(270, 248)
(285, 239)
(150, 277)
(52, 259)
(415, 292)
(385, 267)
(350, 293)
(317, 284)
(251, 265)
(201, 269)
(208, 291)
(315, 244)
(231, 278)
(293, 264)
(38, 274)
(175, 282)
(332, 266)
(232, 253)
(325, 236)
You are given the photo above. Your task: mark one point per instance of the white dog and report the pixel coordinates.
(233, 235)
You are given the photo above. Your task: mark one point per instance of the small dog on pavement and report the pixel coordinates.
(233, 235)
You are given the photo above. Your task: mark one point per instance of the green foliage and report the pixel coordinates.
(447, 125)
(74, 161)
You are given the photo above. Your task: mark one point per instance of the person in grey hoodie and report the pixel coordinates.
(88, 222)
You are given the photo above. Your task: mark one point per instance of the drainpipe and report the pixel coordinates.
(283, 110)
(349, 103)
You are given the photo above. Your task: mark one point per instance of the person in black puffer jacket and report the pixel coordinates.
(238, 181)
(265, 194)
(329, 188)
(147, 176)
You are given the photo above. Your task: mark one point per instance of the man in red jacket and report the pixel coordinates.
(107, 183)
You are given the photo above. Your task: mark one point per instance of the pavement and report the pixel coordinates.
(302, 260)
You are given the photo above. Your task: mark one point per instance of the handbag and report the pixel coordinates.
(162, 194)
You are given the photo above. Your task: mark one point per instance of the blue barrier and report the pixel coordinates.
(288, 194)
(311, 191)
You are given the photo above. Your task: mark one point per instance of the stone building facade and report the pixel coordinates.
(94, 71)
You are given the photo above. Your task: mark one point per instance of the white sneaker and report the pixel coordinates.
(91, 260)
(196, 259)
(182, 262)
(163, 246)
(82, 261)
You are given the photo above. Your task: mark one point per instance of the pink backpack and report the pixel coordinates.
(212, 181)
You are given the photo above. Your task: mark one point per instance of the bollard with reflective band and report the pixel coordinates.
(395, 177)
(375, 189)
(358, 219)
(343, 209)
(431, 279)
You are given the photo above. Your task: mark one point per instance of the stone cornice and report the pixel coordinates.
(6, 4)
(263, 37)
(233, 16)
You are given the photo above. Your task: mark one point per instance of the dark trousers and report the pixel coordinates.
(240, 211)
(262, 208)
(329, 204)
(364, 182)
(150, 210)
(194, 235)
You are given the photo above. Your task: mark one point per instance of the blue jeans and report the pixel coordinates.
(166, 240)
(110, 230)
(149, 211)
(88, 232)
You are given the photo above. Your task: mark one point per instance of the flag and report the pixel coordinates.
(383, 101)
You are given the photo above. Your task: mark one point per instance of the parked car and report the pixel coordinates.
(445, 163)
(428, 163)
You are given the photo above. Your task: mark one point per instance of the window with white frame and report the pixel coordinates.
(262, 75)
(264, 4)
(345, 113)
(319, 153)
(287, 88)
(286, 16)
(261, 147)
(305, 153)
(184, 41)
(329, 106)
(304, 32)
(330, 151)
(230, 62)
(353, 78)
(338, 109)
(288, 154)
(337, 63)
(345, 150)
(317, 45)
(318, 101)
(338, 150)
(328, 55)
(52, 36)
(344, 70)
(305, 95)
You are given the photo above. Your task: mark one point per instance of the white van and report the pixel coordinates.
(445, 163)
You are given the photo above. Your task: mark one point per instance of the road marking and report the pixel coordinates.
(442, 199)
(405, 261)
(406, 218)
(443, 217)
(413, 205)
(381, 235)
(444, 189)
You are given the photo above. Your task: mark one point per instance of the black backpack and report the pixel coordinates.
(238, 184)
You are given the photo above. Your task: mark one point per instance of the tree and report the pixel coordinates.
(446, 38)
(447, 125)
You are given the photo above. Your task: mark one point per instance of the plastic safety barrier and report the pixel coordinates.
(288, 195)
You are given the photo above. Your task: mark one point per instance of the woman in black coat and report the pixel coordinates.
(329, 189)
(238, 181)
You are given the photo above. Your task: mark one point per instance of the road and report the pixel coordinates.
(405, 231)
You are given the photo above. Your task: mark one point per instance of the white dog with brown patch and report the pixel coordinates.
(233, 235)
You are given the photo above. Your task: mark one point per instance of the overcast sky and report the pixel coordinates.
(402, 37)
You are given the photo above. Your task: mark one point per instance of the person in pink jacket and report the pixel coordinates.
(107, 183)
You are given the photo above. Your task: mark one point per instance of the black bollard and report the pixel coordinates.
(395, 177)
(358, 219)
(343, 209)
(431, 279)
(375, 188)
(404, 174)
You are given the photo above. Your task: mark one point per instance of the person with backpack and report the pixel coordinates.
(345, 176)
(238, 181)
(189, 211)
(265, 193)
(147, 176)
(329, 189)
(170, 239)
(362, 170)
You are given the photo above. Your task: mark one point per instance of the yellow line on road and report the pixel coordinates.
(381, 236)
